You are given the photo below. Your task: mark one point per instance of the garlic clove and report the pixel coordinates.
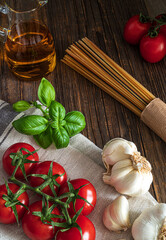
(120, 211)
(130, 184)
(145, 183)
(150, 224)
(118, 174)
(110, 176)
(116, 215)
(109, 223)
(117, 149)
(123, 164)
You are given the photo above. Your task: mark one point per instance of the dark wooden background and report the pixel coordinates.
(102, 21)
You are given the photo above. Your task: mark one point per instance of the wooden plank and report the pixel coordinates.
(103, 23)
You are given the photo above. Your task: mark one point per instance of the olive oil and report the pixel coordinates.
(30, 50)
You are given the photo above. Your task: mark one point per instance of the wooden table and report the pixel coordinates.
(102, 21)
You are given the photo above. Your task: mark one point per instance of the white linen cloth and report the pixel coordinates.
(81, 159)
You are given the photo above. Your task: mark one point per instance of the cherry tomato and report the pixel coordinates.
(153, 49)
(7, 160)
(43, 168)
(88, 231)
(6, 213)
(162, 17)
(34, 228)
(88, 192)
(135, 29)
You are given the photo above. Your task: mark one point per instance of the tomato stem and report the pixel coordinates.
(44, 184)
(154, 31)
(17, 166)
(144, 19)
(67, 216)
(18, 160)
(25, 187)
(19, 192)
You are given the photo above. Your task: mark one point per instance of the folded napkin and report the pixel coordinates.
(81, 159)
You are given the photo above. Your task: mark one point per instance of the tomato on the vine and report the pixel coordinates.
(55, 181)
(7, 214)
(87, 227)
(87, 192)
(153, 49)
(136, 27)
(39, 227)
(16, 149)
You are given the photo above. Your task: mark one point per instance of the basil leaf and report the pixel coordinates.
(31, 125)
(46, 92)
(75, 123)
(57, 112)
(21, 106)
(60, 137)
(44, 139)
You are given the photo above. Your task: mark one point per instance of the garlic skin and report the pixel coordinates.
(116, 215)
(127, 170)
(151, 224)
(117, 149)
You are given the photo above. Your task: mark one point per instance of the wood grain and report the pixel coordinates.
(102, 21)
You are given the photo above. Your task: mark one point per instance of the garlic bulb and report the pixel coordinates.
(127, 170)
(116, 215)
(151, 224)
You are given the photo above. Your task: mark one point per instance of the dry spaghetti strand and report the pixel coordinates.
(91, 62)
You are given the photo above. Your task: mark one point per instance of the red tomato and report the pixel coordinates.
(43, 168)
(88, 231)
(7, 160)
(34, 228)
(153, 49)
(88, 192)
(6, 213)
(135, 29)
(162, 28)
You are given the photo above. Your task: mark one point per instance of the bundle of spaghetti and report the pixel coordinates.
(91, 62)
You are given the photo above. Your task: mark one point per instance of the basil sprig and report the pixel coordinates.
(54, 126)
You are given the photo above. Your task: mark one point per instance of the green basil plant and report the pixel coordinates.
(54, 126)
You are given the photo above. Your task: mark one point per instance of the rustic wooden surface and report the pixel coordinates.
(102, 21)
